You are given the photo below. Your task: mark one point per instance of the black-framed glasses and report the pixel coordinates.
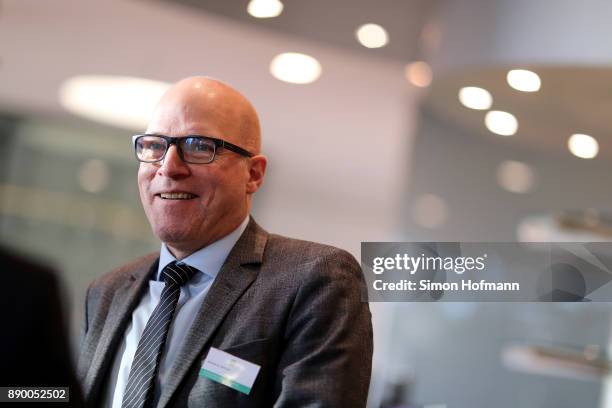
(191, 149)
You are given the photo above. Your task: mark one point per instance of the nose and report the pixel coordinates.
(173, 166)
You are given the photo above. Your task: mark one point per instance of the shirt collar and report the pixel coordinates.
(209, 259)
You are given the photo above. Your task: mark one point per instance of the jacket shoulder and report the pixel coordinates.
(297, 254)
(301, 249)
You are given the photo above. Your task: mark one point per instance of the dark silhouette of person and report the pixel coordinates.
(34, 350)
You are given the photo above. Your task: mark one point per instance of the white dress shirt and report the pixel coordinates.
(208, 261)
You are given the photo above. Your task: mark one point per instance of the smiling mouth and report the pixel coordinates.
(176, 196)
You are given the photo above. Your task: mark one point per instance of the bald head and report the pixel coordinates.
(208, 107)
(191, 205)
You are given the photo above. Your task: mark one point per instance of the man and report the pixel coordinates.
(226, 314)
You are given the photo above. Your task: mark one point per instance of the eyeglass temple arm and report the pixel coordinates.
(237, 149)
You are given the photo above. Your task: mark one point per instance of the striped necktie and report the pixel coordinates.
(140, 387)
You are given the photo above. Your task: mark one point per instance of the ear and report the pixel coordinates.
(257, 171)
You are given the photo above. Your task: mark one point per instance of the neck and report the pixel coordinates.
(181, 250)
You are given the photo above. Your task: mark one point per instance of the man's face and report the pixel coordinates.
(216, 200)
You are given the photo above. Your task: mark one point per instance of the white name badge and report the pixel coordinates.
(229, 370)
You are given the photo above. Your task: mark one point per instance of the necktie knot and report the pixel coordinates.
(177, 273)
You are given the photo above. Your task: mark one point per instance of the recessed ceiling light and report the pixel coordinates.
(372, 36)
(419, 74)
(295, 68)
(121, 101)
(583, 146)
(515, 176)
(429, 211)
(501, 123)
(524, 80)
(265, 8)
(474, 97)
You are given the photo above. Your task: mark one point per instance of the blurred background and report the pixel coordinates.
(386, 120)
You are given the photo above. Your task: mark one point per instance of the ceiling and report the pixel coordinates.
(79, 39)
(335, 22)
(571, 100)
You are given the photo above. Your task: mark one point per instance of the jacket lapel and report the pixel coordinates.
(125, 299)
(233, 279)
